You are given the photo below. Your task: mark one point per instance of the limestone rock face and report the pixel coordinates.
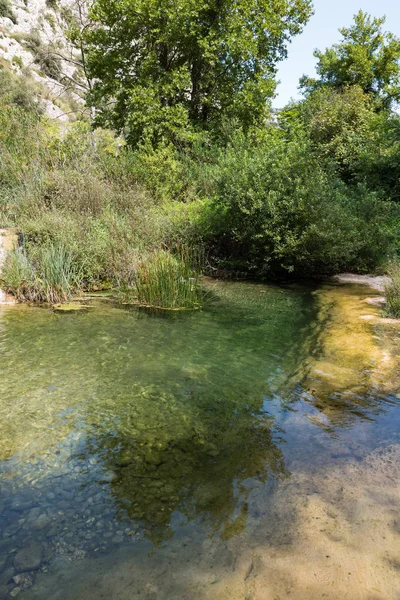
(33, 42)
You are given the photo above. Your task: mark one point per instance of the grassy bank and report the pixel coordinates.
(89, 209)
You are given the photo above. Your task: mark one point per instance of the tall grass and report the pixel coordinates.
(58, 272)
(18, 276)
(48, 275)
(392, 291)
(168, 281)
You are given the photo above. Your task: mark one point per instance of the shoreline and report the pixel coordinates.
(376, 282)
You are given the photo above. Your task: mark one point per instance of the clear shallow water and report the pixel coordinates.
(137, 448)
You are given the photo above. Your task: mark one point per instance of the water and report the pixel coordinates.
(249, 450)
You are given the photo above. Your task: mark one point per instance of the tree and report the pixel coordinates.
(168, 68)
(340, 123)
(366, 56)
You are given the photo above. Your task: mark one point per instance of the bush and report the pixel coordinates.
(278, 209)
(20, 91)
(392, 291)
(49, 62)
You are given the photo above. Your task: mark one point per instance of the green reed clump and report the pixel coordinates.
(168, 281)
(392, 291)
(18, 276)
(58, 272)
(48, 275)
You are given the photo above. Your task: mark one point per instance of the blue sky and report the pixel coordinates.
(322, 31)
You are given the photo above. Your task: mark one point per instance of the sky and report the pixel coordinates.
(321, 32)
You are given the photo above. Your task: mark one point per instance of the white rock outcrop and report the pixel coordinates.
(48, 20)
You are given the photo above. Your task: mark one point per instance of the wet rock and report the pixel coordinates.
(117, 539)
(29, 558)
(42, 522)
(212, 450)
(47, 554)
(109, 476)
(4, 590)
(11, 530)
(21, 505)
(153, 459)
(60, 564)
(60, 472)
(23, 580)
(67, 495)
(34, 513)
(6, 576)
(125, 458)
(53, 531)
(3, 560)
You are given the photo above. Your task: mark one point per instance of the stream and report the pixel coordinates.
(248, 451)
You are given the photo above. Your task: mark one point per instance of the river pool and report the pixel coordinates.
(248, 451)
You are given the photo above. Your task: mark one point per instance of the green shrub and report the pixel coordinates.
(19, 152)
(392, 291)
(21, 91)
(49, 62)
(32, 41)
(17, 60)
(278, 209)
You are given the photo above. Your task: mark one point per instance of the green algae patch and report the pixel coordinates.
(70, 307)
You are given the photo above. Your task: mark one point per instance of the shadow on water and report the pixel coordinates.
(120, 428)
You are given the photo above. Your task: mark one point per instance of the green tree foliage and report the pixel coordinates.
(339, 123)
(163, 67)
(366, 56)
(280, 209)
(379, 158)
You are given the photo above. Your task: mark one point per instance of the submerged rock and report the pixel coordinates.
(42, 522)
(70, 307)
(29, 558)
(3, 560)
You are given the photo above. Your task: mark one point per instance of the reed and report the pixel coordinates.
(49, 275)
(167, 281)
(392, 291)
(58, 272)
(18, 276)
